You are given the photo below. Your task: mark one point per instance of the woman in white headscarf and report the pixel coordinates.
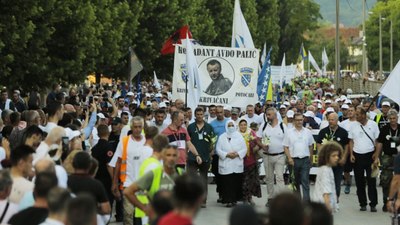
(231, 149)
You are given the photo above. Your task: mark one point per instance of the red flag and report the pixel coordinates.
(169, 47)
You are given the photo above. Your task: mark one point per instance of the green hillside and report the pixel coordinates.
(350, 11)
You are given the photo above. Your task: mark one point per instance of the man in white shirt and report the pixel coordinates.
(274, 156)
(124, 163)
(251, 117)
(7, 208)
(159, 120)
(363, 137)
(299, 145)
(55, 111)
(21, 168)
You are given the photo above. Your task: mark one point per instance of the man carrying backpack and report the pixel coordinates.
(274, 156)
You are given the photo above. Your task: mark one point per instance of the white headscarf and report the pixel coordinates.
(234, 133)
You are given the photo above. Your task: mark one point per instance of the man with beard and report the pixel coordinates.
(159, 120)
(219, 84)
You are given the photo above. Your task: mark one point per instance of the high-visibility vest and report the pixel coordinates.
(143, 197)
(157, 175)
(378, 118)
(122, 170)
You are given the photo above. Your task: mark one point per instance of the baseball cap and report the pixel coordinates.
(101, 115)
(130, 94)
(347, 101)
(345, 106)
(282, 107)
(235, 111)
(71, 134)
(309, 114)
(286, 103)
(386, 104)
(162, 105)
(292, 101)
(330, 109)
(228, 107)
(290, 114)
(328, 101)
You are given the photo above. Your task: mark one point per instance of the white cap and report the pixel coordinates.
(148, 103)
(386, 104)
(328, 101)
(317, 100)
(228, 107)
(130, 94)
(101, 115)
(162, 105)
(330, 109)
(290, 114)
(348, 101)
(345, 106)
(319, 106)
(158, 95)
(343, 98)
(148, 95)
(328, 94)
(292, 101)
(309, 114)
(282, 107)
(286, 103)
(71, 134)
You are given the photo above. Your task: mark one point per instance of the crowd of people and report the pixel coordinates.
(83, 151)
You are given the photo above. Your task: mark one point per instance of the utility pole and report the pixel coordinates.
(337, 49)
(364, 50)
(380, 45)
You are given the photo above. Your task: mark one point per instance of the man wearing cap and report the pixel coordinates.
(227, 111)
(288, 120)
(344, 110)
(235, 115)
(382, 118)
(387, 143)
(282, 111)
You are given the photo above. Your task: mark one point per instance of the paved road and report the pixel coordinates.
(349, 214)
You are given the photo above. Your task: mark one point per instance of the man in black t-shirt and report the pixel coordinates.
(103, 152)
(388, 143)
(335, 133)
(38, 213)
(81, 182)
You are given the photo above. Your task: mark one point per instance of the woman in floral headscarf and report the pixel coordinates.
(251, 181)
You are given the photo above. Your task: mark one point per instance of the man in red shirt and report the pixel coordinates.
(188, 195)
(178, 136)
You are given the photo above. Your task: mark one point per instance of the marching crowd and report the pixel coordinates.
(73, 157)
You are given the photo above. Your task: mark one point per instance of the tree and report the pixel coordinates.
(295, 18)
(390, 11)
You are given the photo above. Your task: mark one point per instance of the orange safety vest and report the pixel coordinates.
(122, 170)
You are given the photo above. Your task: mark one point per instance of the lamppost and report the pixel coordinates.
(337, 49)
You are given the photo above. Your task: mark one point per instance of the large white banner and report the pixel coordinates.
(228, 76)
(287, 76)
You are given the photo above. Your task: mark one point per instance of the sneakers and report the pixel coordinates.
(363, 208)
(347, 189)
(373, 209)
(267, 204)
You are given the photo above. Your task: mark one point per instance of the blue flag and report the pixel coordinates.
(264, 85)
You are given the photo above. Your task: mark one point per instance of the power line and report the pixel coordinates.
(350, 5)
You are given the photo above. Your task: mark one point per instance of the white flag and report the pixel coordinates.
(241, 37)
(325, 62)
(193, 79)
(156, 82)
(314, 63)
(283, 71)
(391, 86)
(264, 54)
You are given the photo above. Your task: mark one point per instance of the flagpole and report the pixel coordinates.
(186, 88)
(373, 100)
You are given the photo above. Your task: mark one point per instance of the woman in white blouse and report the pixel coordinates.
(231, 149)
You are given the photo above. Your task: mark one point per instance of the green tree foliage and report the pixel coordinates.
(295, 18)
(390, 11)
(46, 41)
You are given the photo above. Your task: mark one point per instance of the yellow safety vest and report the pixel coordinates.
(142, 197)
